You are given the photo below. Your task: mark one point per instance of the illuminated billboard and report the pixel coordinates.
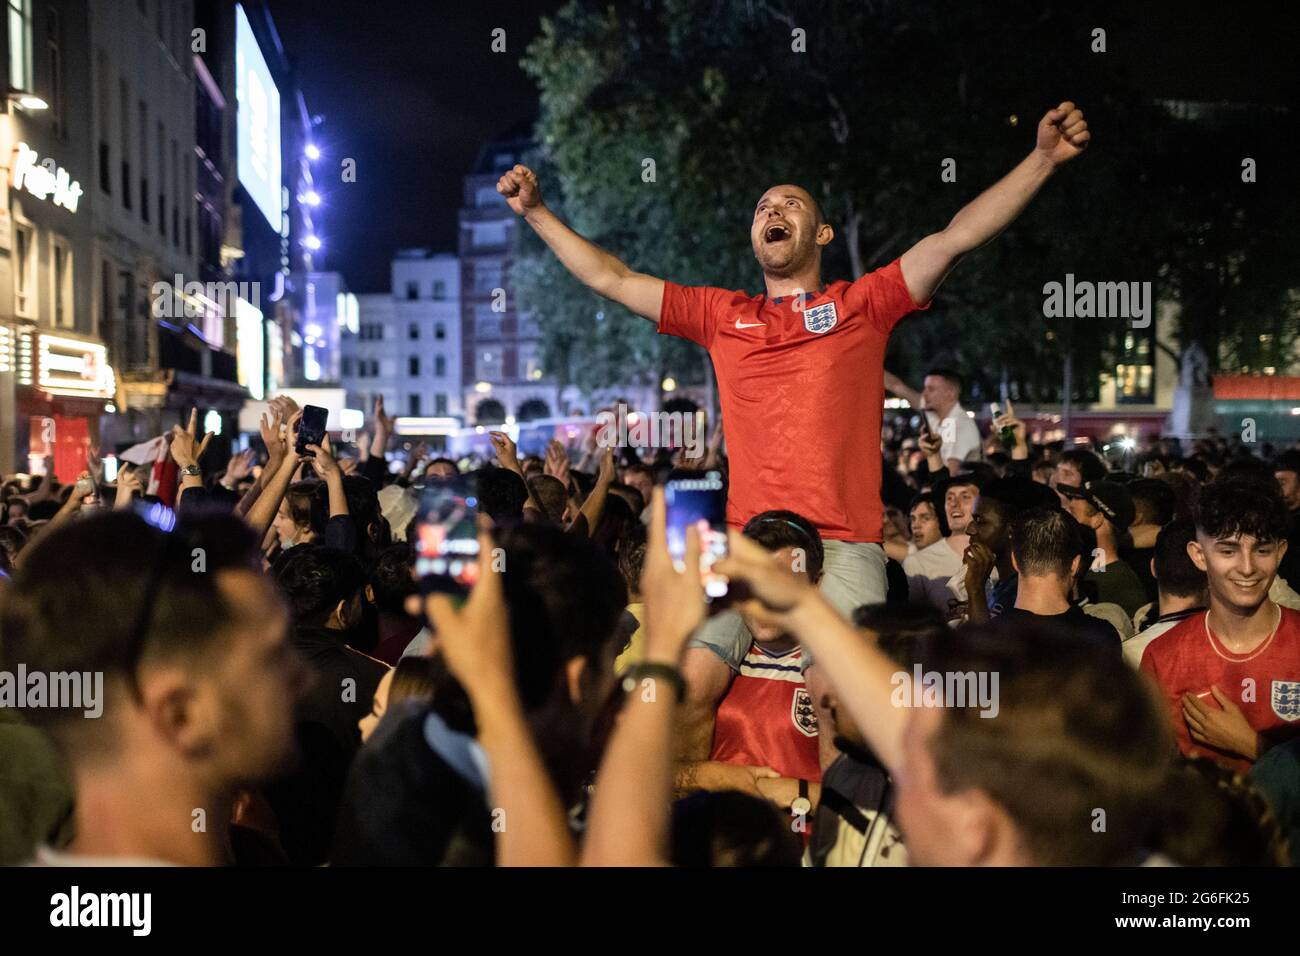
(250, 354)
(258, 116)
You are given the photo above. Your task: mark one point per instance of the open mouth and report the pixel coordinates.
(776, 232)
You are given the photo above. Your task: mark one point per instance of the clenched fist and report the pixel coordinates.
(519, 186)
(1062, 133)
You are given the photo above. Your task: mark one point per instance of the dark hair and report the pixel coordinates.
(626, 492)
(443, 461)
(565, 600)
(363, 505)
(12, 540)
(1249, 468)
(631, 561)
(950, 375)
(732, 829)
(137, 590)
(1090, 466)
(1176, 574)
(1196, 467)
(775, 530)
(923, 499)
(550, 494)
(501, 494)
(1246, 507)
(43, 510)
(1015, 495)
(1046, 541)
(1075, 730)
(414, 678)
(1153, 500)
(390, 578)
(1213, 816)
(1288, 461)
(906, 632)
(315, 579)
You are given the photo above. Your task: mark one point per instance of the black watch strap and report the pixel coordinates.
(635, 674)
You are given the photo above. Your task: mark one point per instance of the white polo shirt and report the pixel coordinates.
(960, 434)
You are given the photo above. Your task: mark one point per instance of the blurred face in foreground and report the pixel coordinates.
(934, 824)
(1240, 569)
(378, 704)
(796, 560)
(784, 234)
(238, 721)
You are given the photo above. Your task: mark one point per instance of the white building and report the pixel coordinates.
(407, 346)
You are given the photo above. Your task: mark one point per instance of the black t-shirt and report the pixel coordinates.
(1073, 624)
(404, 805)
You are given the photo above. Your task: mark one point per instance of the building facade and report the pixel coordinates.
(501, 352)
(407, 345)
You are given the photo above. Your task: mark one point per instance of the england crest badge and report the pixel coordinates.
(802, 713)
(820, 319)
(1286, 699)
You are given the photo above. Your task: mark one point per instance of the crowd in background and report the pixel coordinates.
(277, 691)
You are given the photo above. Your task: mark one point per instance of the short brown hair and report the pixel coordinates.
(1077, 753)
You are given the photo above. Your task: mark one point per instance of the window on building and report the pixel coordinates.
(162, 181)
(439, 331)
(487, 324)
(439, 365)
(488, 276)
(413, 405)
(487, 365)
(105, 111)
(413, 365)
(61, 279)
(124, 117)
(144, 162)
(412, 291)
(413, 331)
(440, 404)
(439, 289)
(54, 52)
(347, 367)
(20, 44)
(24, 271)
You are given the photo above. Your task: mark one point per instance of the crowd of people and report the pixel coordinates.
(1072, 664)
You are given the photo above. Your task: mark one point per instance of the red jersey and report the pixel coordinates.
(801, 394)
(1265, 683)
(767, 719)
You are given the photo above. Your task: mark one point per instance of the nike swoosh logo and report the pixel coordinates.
(747, 325)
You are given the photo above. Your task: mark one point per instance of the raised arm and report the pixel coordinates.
(1062, 135)
(898, 387)
(591, 265)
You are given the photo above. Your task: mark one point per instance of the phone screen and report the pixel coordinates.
(446, 537)
(311, 429)
(702, 503)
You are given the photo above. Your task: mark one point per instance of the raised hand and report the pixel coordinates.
(674, 600)
(186, 447)
(1062, 133)
(770, 588)
(507, 452)
(325, 464)
(519, 186)
(979, 560)
(475, 640)
(557, 461)
(130, 484)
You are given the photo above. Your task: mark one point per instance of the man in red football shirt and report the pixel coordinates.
(1231, 675)
(801, 368)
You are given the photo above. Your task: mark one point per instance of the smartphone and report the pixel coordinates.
(446, 536)
(311, 429)
(700, 503)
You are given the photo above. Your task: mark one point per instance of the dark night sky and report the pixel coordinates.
(411, 89)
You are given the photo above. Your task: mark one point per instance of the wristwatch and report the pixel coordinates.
(801, 806)
(191, 471)
(670, 675)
